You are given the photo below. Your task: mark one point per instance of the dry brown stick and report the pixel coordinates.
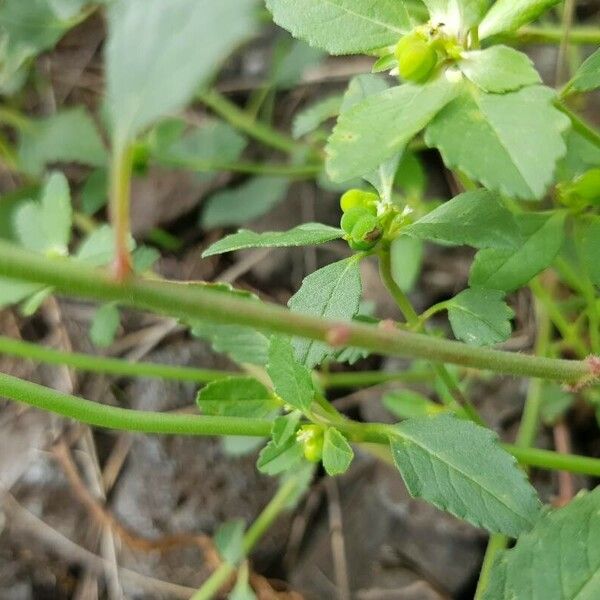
(21, 518)
(63, 454)
(338, 545)
(566, 482)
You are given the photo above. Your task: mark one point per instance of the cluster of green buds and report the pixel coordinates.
(420, 53)
(359, 221)
(582, 192)
(311, 438)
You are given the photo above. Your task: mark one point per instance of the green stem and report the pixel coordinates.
(412, 318)
(580, 126)
(211, 587)
(246, 123)
(108, 365)
(553, 35)
(496, 544)
(188, 303)
(368, 378)
(305, 171)
(122, 419)
(120, 182)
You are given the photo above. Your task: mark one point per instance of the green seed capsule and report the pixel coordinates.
(359, 199)
(311, 438)
(365, 233)
(587, 186)
(352, 216)
(416, 58)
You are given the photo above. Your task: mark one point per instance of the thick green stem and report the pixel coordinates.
(120, 184)
(122, 419)
(255, 532)
(496, 544)
(554, 35)
(358, 379)
(107, 365)
(246, 123)
(189, 304)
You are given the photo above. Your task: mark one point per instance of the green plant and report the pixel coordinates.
(528, 169)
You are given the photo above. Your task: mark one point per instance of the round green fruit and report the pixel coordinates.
(351, 217)
(365, 233)
(311, 437)
(416, 58)
(359, 199)
(587, 186)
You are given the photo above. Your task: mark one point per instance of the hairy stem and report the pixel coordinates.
(120, 183)
(188, 303)
(108, 365)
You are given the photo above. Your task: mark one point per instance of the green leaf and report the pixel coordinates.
(14, 290)
(214, 141)
(498, 69)
(31, 304)
(229, 540)
(45, 226)
(279, 458)
(480, 317)
(105, 324)
(94, 192)
(410, 176)
(343, 26)
(337, 453)
(236, 397)
(559, 559)
(307, 234)
(459, 467)
(587, 239)
(245, 203)
(315, 115)
(242, 589)
(556, 402)
(508, 270)
(587, 77)
(292, 381)
(160, 51)
(67, 136)
(291, 67)
(458, 16)
(241, 344)
(406, 254)
(285, 427)
(332, 292)
(508, 15)
(381, 125)
(361, 87)
(98, 248)
(509, 142)
(477, 218)
(407, 404)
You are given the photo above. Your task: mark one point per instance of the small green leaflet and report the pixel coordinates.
(242, 590)
(477, 218)
(229, 540)
(508, 15)
(315, 115)
(148, 78)
(279, 458)
(195, 149)
(459, 467)
(332, 292)
(508, 270)
(307, 234)
(587, 239)
(105, 324)
(45, 227)
(406, 257)
(292, 381)
(498, 69)
(509, 142)
(247, 202)
(587, 77)
(343, 26)
(361, 87)
(559, 559)
(98, 248)
(407, 404)
(480, 317)
(14, 290)
(337, 453)
(285, 427)
(237, 397)
(67, 136)
(556, 402)
(242, 344)
(381, 125)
